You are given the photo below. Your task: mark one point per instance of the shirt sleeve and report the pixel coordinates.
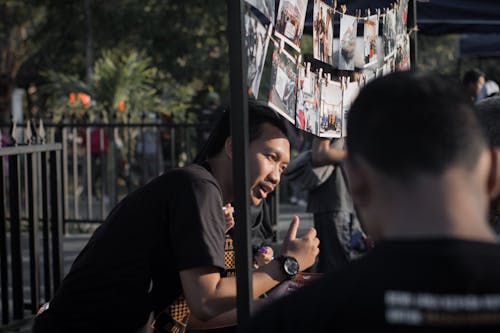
(197, 226)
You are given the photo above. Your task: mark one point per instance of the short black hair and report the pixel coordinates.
(408, 123)
(258, 113)
(488, 112)
(472, 76)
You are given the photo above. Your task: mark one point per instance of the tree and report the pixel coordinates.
(19, 22)
(185, 41)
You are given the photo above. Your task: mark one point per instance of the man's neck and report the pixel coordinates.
(447, 206)
(221, 169)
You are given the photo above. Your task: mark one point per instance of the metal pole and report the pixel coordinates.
(46, 226)
(15, 232)
(3, 250)
(88, 164)
(239, 133)
(56, 221)
(33, 224)
(412, 22)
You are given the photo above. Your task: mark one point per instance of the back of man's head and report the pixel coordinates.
(408, 123)
(488, 111)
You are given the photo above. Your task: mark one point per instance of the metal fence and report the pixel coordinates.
(31, 209)
(101, 163)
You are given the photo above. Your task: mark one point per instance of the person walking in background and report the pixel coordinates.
(422, 176)
(335, 219)
(473, 80)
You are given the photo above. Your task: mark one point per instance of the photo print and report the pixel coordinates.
(389, 33)
(370, 37)
(348, 33)
(282, 96)
(266, 7)
(308, 102)
(330, 117)
(389, 67)
(402, 17)
(323, 32)
(368, 76)
(290, 21)
(257, 40)
(402, 59)
(351, 91)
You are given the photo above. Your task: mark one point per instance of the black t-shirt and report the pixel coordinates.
(131, 264)
(439, 285)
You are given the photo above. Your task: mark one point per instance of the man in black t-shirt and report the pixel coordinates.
(167, 238)
(422, 177)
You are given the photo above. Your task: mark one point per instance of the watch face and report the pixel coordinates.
(291, 266)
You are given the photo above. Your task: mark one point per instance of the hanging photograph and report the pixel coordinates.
(348, 33)
(389, 31)
(266, 7)
(282, 96)
(323, 32)
(389, 67)
(402, 17)
(256, 39)
(402, 59)
(330, 125)
(368, 75)
(290, 21)
(370, 36)
(308, 100)
(350, 93)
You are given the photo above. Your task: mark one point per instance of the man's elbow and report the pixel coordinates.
(204, 312)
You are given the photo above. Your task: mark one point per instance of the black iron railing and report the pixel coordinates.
(31, 220)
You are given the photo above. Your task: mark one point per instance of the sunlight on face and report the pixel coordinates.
(268, 158)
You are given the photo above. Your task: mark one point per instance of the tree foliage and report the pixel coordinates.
(185, 41)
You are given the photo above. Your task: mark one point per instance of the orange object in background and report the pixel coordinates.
(72, 98)
(121, 106)
(85, 99)
(82, 97)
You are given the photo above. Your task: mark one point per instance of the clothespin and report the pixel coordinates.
(334, 5)
(299, 59)
(378, 14)
(269, 30)
(320, 73)
(328, 79)
(358, 14)
(282, 45)
(308, 69)
(343, 9)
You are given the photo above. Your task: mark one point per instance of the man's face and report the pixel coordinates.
(268, 157)
(476, 87)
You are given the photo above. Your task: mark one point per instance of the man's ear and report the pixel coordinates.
(494, 174)
(358, 181)
(228, 148)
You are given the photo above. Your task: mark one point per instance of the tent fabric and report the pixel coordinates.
(436, 17)
(479, 45)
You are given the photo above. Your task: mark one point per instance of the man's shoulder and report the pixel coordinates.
(190, 172)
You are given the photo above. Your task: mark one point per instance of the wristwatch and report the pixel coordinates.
(290, 266)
